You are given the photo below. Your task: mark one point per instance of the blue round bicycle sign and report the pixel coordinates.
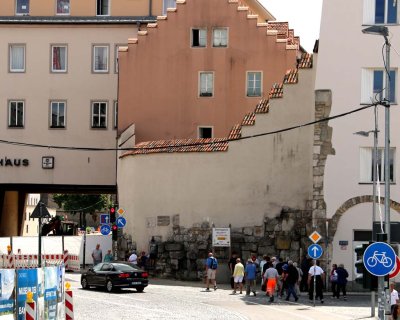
(379, 259)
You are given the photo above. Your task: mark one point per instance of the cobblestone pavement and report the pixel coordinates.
(166, 299)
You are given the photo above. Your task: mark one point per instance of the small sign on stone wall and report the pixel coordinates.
(221, 237)
(283, 242)
(175, 220)
(163, 221)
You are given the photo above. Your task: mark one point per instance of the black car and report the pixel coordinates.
(114, 275)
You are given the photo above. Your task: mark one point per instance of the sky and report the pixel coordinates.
(304, 17)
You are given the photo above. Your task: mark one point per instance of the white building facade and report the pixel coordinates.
(350, 64)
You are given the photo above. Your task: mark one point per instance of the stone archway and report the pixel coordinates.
(351, 203)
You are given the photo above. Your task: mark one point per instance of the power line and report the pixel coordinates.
(222, 140)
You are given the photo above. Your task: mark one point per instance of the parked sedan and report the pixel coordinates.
(114, 275)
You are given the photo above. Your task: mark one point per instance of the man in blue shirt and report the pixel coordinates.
(250, 275)
(211, 271)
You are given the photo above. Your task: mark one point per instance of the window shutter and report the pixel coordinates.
(365, 164)
(367, 77)
(369, 12)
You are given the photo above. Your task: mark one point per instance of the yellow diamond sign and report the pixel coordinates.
(315, 237)
(121, 211)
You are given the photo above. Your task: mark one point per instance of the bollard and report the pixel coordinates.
(30, 312)
(69, 302)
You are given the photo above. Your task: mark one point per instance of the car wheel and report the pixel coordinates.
(140, 289)
(84, 284)
(109, 286)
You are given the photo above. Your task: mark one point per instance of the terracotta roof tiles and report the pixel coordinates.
(249, 119)
(276, 91)
(306, 61)
(291, 76)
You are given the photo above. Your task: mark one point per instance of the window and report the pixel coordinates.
(100, 58)
(58, 58)
(168, 4)
(62, 6)
(366, 165)
(254, 84)
(57, 116)
(205, 132)
(380, 12)
(220, 37)
(22, 6)
(374, 83)
(115, 114)
(103, 7)
(16, 114)
(199, 37)
(17, 58)
(206, 84)
(99, 115)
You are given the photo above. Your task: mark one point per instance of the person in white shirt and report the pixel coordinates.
(133, 258)
(317, 272)
(394, 300)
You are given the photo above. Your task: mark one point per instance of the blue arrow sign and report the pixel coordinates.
(379, 259)
(104, 218)
(105, 229)
(121, 222)
(315, 251)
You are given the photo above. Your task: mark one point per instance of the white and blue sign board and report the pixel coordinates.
(105, 229)
(379, 259)
(315, 251)
(104, 218)
(121, 222)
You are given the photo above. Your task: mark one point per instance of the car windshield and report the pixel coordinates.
(97, 267)
(124, 267)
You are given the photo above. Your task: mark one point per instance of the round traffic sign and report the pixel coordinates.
(105, 229)
(396, 269)
(379, 259)
(315, 251)
(121, 222)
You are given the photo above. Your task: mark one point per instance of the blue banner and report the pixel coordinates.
(50, 292)
(7, 292)
(27, 280)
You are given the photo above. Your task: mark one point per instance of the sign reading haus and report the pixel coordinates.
(10, 162)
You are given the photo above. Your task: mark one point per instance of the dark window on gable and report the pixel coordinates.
(362, 235)
(199, 37)
(205, 132)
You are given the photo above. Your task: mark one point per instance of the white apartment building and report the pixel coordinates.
(350, 64)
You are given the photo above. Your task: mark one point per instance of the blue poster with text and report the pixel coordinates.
(27, 280)
(7, 293)
(50, 292)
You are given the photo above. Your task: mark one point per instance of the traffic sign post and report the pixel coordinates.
(379, 259)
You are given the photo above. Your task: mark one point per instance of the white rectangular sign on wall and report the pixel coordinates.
(221, 237)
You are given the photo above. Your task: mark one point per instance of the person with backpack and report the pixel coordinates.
(211, 271)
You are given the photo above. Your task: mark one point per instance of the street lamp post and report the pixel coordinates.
(384, 31)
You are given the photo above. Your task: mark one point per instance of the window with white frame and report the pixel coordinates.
(115, 114)
(22, 7)
(206, 84)
(58, 58)
(100, 58)
(16, 114)
(99, 114)
(17, 58)
(380, 12)
(220, 37)
(57, 116)
(168, 4)
(366, 164)
(254, 84)
(63, 6)
(103, 7)
(205, 132)
(199, 37)
(373, 84)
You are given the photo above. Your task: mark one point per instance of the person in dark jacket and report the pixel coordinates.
(342, 276)
(291, 279)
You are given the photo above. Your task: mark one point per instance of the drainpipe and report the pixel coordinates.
(150, 8)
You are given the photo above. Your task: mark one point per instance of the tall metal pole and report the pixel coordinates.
(387, 141)
(374, 174)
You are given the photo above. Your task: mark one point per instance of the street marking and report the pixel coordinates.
(125, 305)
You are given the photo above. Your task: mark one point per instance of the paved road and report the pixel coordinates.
(165, 299)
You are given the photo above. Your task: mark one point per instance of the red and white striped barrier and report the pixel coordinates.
(73, 263)
(7, 261)
(69, 305)
(30, 310)
(27, 261)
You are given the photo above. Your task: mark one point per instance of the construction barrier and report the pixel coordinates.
(69, 303)
(28, 261)
(30, 310)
